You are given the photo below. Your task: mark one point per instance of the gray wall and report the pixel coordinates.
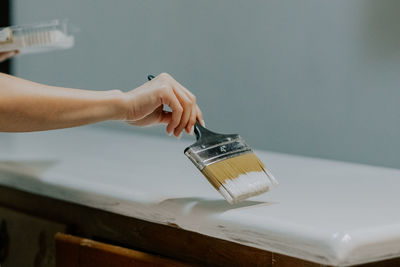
(312, 77)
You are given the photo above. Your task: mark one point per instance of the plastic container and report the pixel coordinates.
(34, 38)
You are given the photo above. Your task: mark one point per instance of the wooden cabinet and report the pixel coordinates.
(72, 251)
(92, 237)
(27, 240)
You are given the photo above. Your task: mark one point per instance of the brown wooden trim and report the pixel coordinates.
(137, 234)
(74, 251)
(168, 241)
(386, 263)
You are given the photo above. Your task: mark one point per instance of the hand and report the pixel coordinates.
(6, 55)
(145, 105)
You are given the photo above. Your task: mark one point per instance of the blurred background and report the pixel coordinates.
(309, 77)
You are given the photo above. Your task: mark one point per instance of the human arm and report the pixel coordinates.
(28, 106)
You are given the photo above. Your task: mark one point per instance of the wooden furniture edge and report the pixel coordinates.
(75, 251)
(165, 240)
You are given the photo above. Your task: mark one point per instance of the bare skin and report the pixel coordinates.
(6, 55)
(27, 106)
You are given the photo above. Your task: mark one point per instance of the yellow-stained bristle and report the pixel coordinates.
(233, 167)
(239, 177)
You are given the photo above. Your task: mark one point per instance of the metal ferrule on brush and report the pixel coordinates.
(204, 154)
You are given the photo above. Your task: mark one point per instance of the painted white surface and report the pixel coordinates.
(324, 211)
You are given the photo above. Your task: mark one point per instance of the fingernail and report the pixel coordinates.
(179, 136)
(203, 123)
(191, 130)
(169, 134)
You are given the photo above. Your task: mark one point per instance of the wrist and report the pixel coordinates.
(119, 104)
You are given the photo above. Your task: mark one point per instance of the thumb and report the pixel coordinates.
(165, 117)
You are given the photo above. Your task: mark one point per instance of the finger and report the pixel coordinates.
(187, 109)
(169, 98)
(188, 101)
(161, 116)
(197, 114)
(192, 120)
(200, 116)
(193, 114)
(158, 116)
(165, 117)
(177, 84)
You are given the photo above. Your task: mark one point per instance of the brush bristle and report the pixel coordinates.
(240, 177)
(38, 40)
(43, 38)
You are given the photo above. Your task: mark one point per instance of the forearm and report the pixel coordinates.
(28, 106)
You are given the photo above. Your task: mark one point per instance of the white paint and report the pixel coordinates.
(246, 185)
(325, 211)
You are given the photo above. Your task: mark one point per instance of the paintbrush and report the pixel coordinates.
(38, 37)
(229, 164)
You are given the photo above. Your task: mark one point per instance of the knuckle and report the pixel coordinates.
(188, 103)
(164, 88)
(192, 97)
(179, 109)
(164, 75)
